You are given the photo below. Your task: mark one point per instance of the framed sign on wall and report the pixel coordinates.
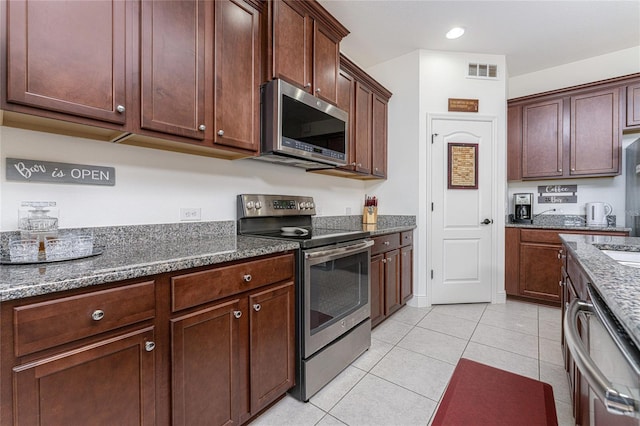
(462, 166)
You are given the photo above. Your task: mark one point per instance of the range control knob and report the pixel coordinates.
(312, 206)
(258, 205)
(302, 206)
(250, 205)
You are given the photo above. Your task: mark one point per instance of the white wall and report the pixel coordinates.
(152, 185)
(422, 81)
(602, 67)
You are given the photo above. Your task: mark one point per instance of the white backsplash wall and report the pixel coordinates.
(608, 189)
(152, 185)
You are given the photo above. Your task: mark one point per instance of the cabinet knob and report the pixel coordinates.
(257, 307)
(306, 86)
(376, 169)
(247, 278)
(386, 243)
(120, 108)
(149, 346)
(359, 164)
(237, 314)
(202, 127)
(97, 315)
(561, 255)
(384, 260)
(573, 169)
(560, 170)
(220, 132)
(318, 90)
(390, 259)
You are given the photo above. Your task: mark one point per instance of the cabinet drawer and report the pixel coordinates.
(47, 324)
(201, 287)
(406, 238)
(537, 236)
(385, 243)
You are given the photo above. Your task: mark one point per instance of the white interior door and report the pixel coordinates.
(461, 218)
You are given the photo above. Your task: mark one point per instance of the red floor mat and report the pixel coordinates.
(482, 395)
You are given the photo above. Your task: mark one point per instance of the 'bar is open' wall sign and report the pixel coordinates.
(21, 170)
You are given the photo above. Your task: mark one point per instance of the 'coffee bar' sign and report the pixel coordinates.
(557, 194)
(21, 170)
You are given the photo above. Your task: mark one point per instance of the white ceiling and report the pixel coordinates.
(533, 35)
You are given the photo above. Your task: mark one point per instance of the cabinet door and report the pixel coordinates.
(346, 100)
(326, 59)
(292, 44)
(406, 273)
(377, 289)
(542, 139)
(272, 344)
(68, 57)
(205, 365)
(237, 93)
(111, 382)
(540, 271)
(595, 133)
(379, 137)
(363, 134)
(514, 142)
(173, 66)
(512, 261)
(633, 105)
(392, 301)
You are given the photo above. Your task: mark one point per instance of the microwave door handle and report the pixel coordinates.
(340, 251)
(615, 402)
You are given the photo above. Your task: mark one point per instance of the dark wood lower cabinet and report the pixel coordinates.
(205, 366)
(391, 274)
(532, 262)
(108, 383)
(209, 346)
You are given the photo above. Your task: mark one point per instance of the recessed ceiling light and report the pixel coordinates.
(455, 32)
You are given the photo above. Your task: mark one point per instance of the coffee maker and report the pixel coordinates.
(523, 208)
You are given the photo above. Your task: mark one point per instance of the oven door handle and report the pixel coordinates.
(342, 251)
(615, 401)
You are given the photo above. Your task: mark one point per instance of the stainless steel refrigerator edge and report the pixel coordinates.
(632, 185)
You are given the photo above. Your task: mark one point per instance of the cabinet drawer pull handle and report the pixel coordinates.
(237, 314)
(149, 346)
(386, 243)
(202, 127)
(220, 132)
(120, 108)
(247, 278)
(257, 307)
(97, 315)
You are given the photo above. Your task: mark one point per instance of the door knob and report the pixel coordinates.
(486, 221)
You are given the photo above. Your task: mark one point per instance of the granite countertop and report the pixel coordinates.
(133, 260)
(132, 254)
(619, 285)
(568, 228)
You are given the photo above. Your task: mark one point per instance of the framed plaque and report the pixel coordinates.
(463, 166)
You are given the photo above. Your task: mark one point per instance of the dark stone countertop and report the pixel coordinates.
(568, 228)
(134, 260)
(143, 257)
(619, 285)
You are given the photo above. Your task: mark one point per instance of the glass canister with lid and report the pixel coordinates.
(38, 220)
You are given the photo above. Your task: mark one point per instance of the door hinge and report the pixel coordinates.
(432, 274)
(433, 136)
(431, 206)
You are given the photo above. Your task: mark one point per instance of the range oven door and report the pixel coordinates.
(336, 292)
(609, 364)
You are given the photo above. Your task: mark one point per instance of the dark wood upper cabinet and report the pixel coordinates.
(173, 66)
(68, 57)
(305, 47)
(572, 132)
(633, 105)
(237, 75)
(363, 132)
(596, 132)
(379, 136)
(514, 142)
(542, 139)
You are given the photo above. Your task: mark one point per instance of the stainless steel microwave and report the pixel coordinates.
(301, 130)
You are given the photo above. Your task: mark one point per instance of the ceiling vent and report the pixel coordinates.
(476, 70)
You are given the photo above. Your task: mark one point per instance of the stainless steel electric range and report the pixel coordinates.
(333, 326)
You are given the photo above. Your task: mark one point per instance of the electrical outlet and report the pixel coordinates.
(192, 213)
(348, 211)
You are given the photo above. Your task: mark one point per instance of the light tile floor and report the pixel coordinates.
(401, 378)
